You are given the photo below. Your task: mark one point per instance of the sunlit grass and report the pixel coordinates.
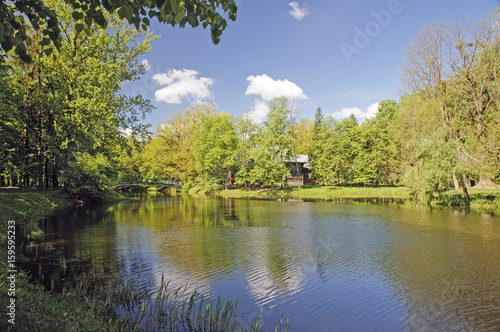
(322, 192)
(480, 199)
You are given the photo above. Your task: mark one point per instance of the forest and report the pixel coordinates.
(64, 118)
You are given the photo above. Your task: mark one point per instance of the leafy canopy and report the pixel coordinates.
(15, 15)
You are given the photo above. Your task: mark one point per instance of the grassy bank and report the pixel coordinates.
(322, 192)
(36, 309)
(481, 199)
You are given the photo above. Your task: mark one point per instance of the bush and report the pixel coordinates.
(90, 177)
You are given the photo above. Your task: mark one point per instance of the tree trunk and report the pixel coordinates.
(40, 168)
(55, 179)
(46, 173)
(67, 159)
(40, 150)
(466, 194)
(455, 182)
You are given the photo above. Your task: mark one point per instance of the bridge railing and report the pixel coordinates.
(151, 181)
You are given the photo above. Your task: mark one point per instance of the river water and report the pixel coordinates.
(327, 266)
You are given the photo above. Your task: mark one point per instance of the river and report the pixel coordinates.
(327, 266)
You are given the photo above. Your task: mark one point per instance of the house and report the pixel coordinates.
(300, 171)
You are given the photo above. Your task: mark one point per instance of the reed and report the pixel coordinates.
(183, 310)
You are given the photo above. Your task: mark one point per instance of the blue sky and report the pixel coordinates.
(344, 56)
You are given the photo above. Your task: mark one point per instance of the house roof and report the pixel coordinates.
(300, 158)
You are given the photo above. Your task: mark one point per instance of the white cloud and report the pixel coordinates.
(145, 63)
(259, 111)
(182, 84)
(298, 12)
(126, 132)
(268, 88)
(360, 115)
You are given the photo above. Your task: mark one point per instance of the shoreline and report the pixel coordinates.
(481, 199)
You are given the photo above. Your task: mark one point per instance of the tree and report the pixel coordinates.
(70, 103)
(169, 153)
(248, 134)
(437, 159)
(454, 67)
(214, 148)
(129, 159)
(378, 146)
(10, 130)
(273, 146)
(84, 13)
(316, 144)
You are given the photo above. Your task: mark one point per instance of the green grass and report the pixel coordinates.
(38, 310)
(322, 192)
(19, 202)
(480, 199)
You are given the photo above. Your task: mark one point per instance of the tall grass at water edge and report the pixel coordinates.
(182, 310)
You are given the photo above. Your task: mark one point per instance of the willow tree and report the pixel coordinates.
(456, 66)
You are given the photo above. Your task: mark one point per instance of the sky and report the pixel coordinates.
(344, 56)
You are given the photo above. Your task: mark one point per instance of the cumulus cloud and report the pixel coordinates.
(259, 111)
(126, 132)
(298, 12)
(145, 63)
(360, 115)
(268, 88)
(181, 85)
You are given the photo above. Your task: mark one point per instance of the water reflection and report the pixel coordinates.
(326, 265)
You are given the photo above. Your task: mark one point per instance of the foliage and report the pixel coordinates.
(129, 159)
(214, 148)
(70, 101)
(451, 70)
(84, 13)
(273, 148)
(90, 176)
(168, 154)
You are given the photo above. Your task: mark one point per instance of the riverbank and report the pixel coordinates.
(35, 308)
(322, 192)
(481, 199)
(86, 304)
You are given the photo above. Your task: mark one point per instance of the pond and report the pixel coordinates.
(327, 266)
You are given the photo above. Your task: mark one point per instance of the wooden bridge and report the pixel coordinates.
(166, 184)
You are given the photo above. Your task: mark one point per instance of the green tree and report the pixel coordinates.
(90, 176)
(214, 148)
(129, 159)
(248, 134)
(169, 153)
(379, 149)
(70, 103)
(84, 13)
(315, 148)
(11, 132)
(273, 148)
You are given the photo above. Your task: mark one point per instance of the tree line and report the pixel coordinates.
(63, 118)
(443, 133)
